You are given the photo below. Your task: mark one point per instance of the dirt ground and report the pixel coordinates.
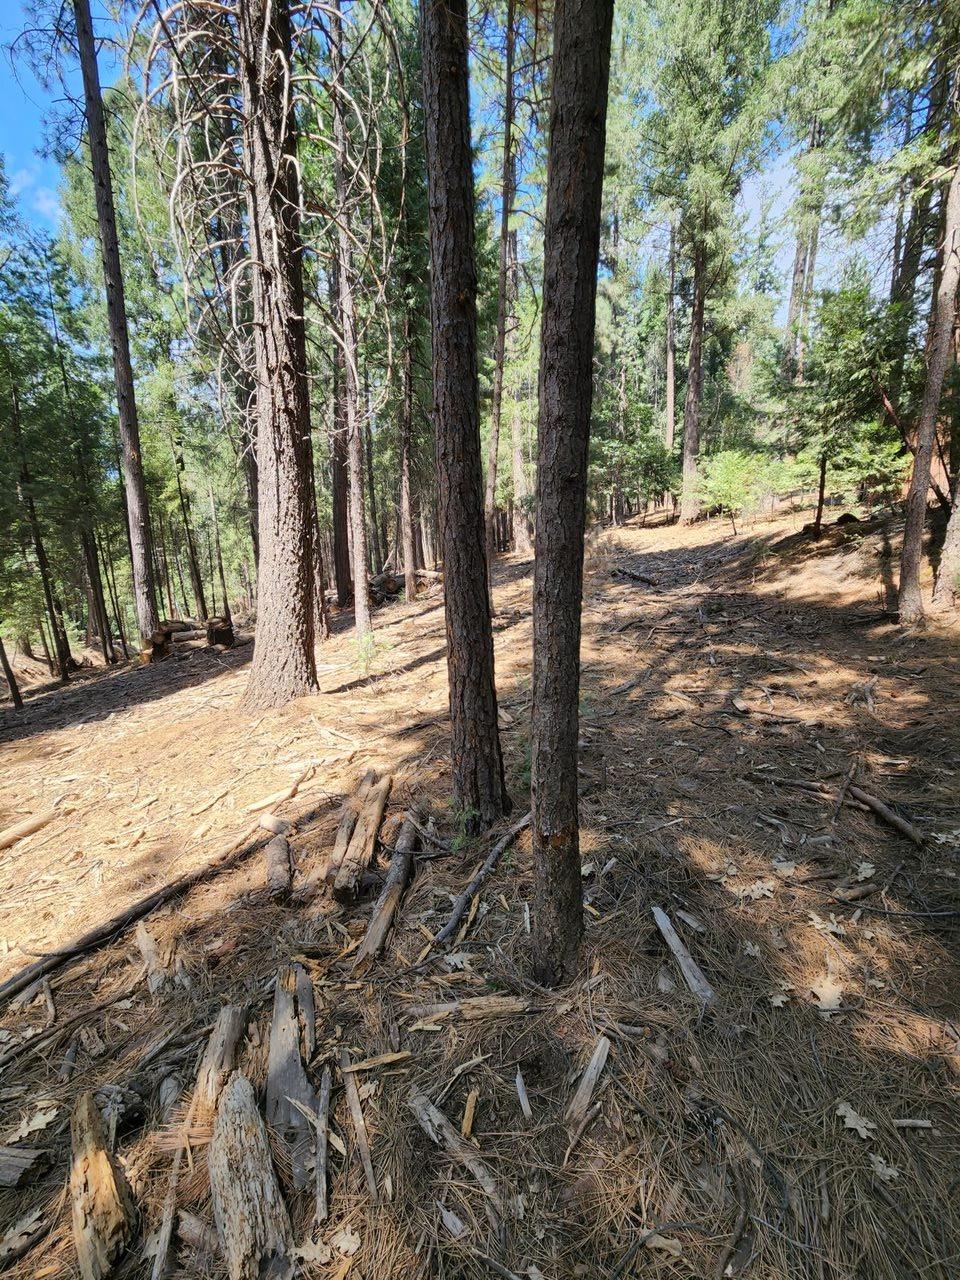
(805, 1124)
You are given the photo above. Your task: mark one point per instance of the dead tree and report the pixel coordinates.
(578, 109)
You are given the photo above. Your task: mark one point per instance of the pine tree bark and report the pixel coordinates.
(107, 563)
(479, 790)
(946, 593)
(939, 351)
(504, 300)
(406, 446)
(283, 659)
(578, 108)
(193, 560)
(10, 678)
(689, 501)
(215, 522)
(348, 333)
(671, 369)
(135, 489)
(338, 462)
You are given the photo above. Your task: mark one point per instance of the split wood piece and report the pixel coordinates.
(21, 830)
(398, 875)
(237, 852)
(349, 813)
(163, 963)
(580, 1102)
(279, 867)
(290, 1097)
(359, 1126)
(201, 1238)
(440, 1131)
(215, 1066)
(473, 1008)
(692, 974)
(19, 1164)
(323, 1126)
(251, 1218)
(103, 1207)
(359, 852)
(462, 903)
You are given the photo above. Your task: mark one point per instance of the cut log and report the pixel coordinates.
(440, 1131)
(359, 852)
(279, 867)
(157, 648)
(349, 814)
(290, 1099)
(580, 1102)
(463, 901)
(103, 1207)
(19, 1164)
(220, 631)
(27, 827)
(270, 822)
(252, 1221)
(692, 974)
(398, 874)
(183, 637)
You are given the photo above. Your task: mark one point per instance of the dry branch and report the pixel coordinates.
(26, 828)
(401, 865)
(692, 974)
(463, 901)
(440, 1131)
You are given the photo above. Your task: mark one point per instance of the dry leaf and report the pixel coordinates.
(864, 870)
(346, 1241)
(313, 1251)
(666, 1243)
(885, 1172)
(828, 992)
(451, 1221)
(42, 1119)
(855, 1122)
(754, 892)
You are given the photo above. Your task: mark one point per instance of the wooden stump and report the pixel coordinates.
(220, 631)
(252, 1221)
(159, 647)
(103, 1208)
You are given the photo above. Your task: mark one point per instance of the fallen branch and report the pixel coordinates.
(692, 974)
(401, 865)
(26, 828)
(462, 903)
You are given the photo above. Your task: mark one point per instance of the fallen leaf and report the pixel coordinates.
(451, 1221)
(346, 1241)
(855, 1122)
(828, 992)
(827, 926)
(313, 1251)
(42, 1119)
(885, 1172)
(864, 870)
(751, 949)
(754, 892)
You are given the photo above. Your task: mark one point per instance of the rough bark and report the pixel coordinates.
(943, 312)
(348, 334)
(947, 589)
(689, 502)
(103, 1208)
(214, 520)
(283, 661)
(338, 464)
(671, 370)
(406, 445)
(581, 65)
(133, 480)
(821, 495)
(479, 791)
(504, 299)
(10, 678)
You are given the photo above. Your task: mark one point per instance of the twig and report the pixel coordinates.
(462, 903)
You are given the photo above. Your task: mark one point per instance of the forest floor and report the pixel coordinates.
(805, 1124)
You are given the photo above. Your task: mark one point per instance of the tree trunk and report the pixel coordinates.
(504, 299)
(320, 614)
(821, 494)
(578, 107)
(338, 462)
(61, 646)
(689, 501)
(111, 581)
(283, 661)
(943, 311)
(379, 551)
(671, 372)
(406, 444)
(92, 565)
(10, 678)
(947, 590)
(193, 560)
(133, 479)
(216, 542)
(348, 330)
(479, 790)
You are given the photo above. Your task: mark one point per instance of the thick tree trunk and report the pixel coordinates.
(348, 331)
(578, 107)
(10, 678)
(689, 501)
(504, 299)
(283, 660)
(134, 484)
(478, 784)
(406, 445)
(338, 462)
(947, 590)
(671, 371)
(943, 312)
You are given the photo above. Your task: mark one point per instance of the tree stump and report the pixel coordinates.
(220, 631)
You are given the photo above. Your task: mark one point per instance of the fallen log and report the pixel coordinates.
(105, 932)
(398, 874)
(103, 1208)
(463, 901)
(251, 1218)
(27, 827)
(359, 852)
(220, 631)
(290, 1097)
(279, 867)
